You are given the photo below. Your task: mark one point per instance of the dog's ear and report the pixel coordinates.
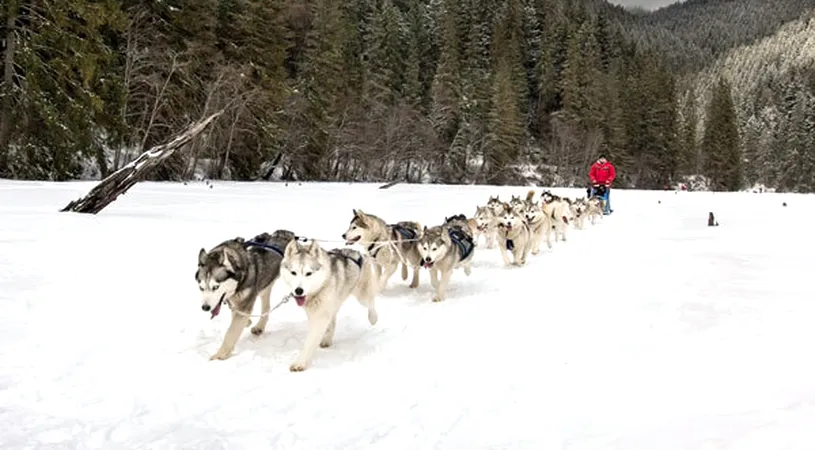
(202, 257)
(231, 260)
(313, 247)
(291, 248)
(362, 219)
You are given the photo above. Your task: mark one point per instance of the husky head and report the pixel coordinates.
(495, 205)
(594, 205)
(510, 219)
(532, 213)
(548, 197)
(516, 203)
(484, 217)
(434, 244)
(305, 268)
(218, 274)
(358, 228)
(579, 207)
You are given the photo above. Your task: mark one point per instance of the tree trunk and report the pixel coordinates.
(7, 86)
(109, 189)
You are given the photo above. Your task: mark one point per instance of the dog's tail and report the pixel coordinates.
(530, 195)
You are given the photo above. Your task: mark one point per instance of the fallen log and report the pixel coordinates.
(117, 183)
(389, 185)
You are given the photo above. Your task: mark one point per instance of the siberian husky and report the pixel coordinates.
(236, 272)
(540, 225)
(558, 210)
(443, 249)
(485, 223)
(514, 236)
(390, 245)
(320, 282)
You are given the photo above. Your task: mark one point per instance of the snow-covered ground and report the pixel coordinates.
(648, 331)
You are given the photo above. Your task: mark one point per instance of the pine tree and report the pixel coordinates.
(507, 120)
(63, 52)
(720, 144)
(386, 55)
(322, 89)
(688, 164)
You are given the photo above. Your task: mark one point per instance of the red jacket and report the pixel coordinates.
(602, 173)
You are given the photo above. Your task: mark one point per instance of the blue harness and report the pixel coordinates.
(357, 261)
(463, 241)
(407, 234)
(264, 246)
(510, 244)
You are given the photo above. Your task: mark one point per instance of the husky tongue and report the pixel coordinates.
(216, 310)
(301, 300)
(427, 264)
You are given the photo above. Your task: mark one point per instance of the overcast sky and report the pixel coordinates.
(647, 4)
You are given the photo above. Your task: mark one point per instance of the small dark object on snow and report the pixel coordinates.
(711, 221)
(659, 201)
(784, 204)
(389, 185)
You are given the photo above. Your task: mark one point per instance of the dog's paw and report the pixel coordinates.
(414, 285)
(437, 299)
(297, 367)
(373, 317)
(468, 270)
(325, 343)
(219, 356)
(257, 331)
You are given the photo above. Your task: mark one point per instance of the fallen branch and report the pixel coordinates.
(117, 183)
(389, 185)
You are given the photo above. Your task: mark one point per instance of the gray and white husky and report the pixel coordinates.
(496, 205)
(578, 210)
(517, 203)
(559, 211)
(540, 225)
(390, 245)
(485, 223)
(320, 282)
(594, 209)
(514, 236)
(445, 248)
(235, 273)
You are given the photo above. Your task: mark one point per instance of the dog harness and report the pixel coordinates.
(407, 234)
(264, 246)
(510, 244)
(357, 261)
(463, 241)
(456, 217)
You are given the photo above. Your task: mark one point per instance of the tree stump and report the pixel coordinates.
(117, 183)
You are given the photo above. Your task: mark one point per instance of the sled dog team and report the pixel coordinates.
(237, 271)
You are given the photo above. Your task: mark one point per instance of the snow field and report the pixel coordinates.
(648, 330)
